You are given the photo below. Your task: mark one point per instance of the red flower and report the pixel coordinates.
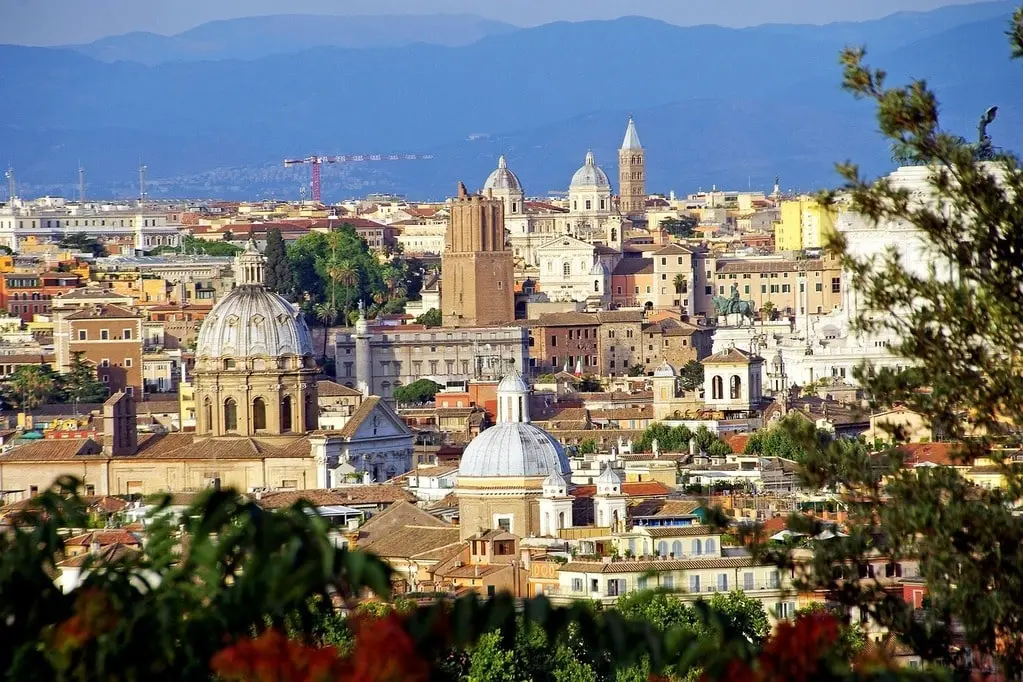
(93, 615)
(384, 652)
(796, 650)
(272, 657)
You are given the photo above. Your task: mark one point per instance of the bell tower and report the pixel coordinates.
(632, 173)
(477, 266)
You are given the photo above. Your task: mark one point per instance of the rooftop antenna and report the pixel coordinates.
(10, 183)
(81, 183)
(142, 183)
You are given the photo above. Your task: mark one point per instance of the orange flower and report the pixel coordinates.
(272, 657)
(384, 652)
(93, 615)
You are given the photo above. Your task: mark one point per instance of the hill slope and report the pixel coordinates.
(713, 105)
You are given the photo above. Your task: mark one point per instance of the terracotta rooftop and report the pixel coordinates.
(634, 266)
(737, 441)
(104, 538)
(356, 494)
(730, 356)
(106, 555)
(330, 389)
(105, 311)
(629, 489)
(929, 453)
(658, 507)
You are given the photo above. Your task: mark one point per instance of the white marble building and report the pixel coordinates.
(574, 270)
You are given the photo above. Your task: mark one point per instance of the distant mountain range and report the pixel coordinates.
(255, 37)
(731, 107)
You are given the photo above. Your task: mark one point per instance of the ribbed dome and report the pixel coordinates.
(590, 175)
(512, 383)
(252, 321)
(513, 449)
(502, 179)
(665, 370)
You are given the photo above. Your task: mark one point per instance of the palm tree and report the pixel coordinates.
(30, 386)
(326, 313)
(344, 272)
(680, 285)
(766, 310)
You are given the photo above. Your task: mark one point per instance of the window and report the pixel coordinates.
(697, 547)
(818, 287)
(82, 334)
(491, 590)
(694, 584)
(775, 580)
(747, 581)
(503, 522)
(258, 414)
(566, 269)
(589, 204)
(785, 609)
(577, 584)
(662, 548)
(105, 362)
(641, 582)
(230, 415)
(676, 548)
(708, 290)
(289, 483)
(836, 285)
(711, 546)
(127, 335)
(735, 387)
(127, 362)
(90, 489)
(717, 388)
(104, 334)
(668, 582)
(722, 582)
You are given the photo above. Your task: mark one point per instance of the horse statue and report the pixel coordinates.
(734, 306)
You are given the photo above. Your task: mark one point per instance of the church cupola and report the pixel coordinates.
(512, 400)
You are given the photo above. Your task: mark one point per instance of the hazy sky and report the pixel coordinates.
(55, 22)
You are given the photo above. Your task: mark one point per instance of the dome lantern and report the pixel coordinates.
(249, 266)
(512, 400)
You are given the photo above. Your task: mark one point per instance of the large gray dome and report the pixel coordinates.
(252, 321)
(502, 179)
(590, 175)
(513, 449)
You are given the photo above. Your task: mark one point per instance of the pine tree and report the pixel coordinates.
(959, 324)
(80, 384)
(278, 272)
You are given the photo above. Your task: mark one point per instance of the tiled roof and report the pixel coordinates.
(360, 415)
(449, 501)
(567, 320)
(612, 316)
(27, 359)
(929, 453)
(678, 531)
(737, 441)
(730, 356)
(108, 554)
(329, 389)
(658, 507)
(53, 451)
(656, 565)
(472, 571)
(409, 541)
(629, 489)
(356, 494)
(105, 311)
(398, 515)
(105, 503)
(634, 266)
(89, 293)
(104, 538)
(673, 250)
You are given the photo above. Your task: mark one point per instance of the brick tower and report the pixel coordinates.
(632, 174)
(477, 277)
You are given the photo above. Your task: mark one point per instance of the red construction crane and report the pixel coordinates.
(315, 162)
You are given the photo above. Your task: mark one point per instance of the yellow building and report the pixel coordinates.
(804, 224)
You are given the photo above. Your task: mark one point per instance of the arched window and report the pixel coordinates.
(614, 234)
(614, 520)
(735, 387)
(515, 207)
(662, 548)
(561, 520)
(676, 548)
(230, 415)
(717, 388)
(600, 521)
(286, 414)
(547, 520)
(697, 547)
(711, 546)
(207, 414)
(566, 269)
(312, 414)
(596, 286)
(258, 415)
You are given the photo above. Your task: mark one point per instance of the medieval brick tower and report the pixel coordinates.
(632, 174)
(477, 277)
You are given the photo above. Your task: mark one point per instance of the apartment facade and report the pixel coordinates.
(27, 294)
(109, 337)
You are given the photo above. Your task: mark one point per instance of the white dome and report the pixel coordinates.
(513, 449)
(252, 321)
(502, 179)
(512, 383)
(590, 175)
(665, 370)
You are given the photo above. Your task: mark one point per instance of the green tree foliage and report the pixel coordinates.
(431, 318)
(636, 371)
(79, 241)
(338, 267)
(691, 375)
(587, 447)
(30, 386)
(959, 323)
(589, 384)
(767, 311)
(79, 384)
(676, 439)
(681, 227)
(278, 271)
(853, 639)
(419, 391)
(327, 315)
(193, 245)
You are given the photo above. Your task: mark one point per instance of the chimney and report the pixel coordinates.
(477, 570)
(120, 436)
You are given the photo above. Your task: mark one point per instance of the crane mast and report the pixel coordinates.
(316, 161)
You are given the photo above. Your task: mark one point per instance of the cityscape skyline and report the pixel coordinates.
(49, 23)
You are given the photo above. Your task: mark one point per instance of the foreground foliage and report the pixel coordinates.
(249, 595)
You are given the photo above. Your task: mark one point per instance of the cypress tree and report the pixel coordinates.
(278, 274)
